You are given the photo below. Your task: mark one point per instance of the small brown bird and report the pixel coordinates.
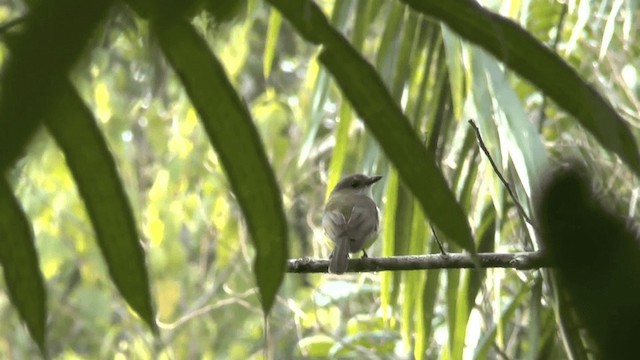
(350, 219)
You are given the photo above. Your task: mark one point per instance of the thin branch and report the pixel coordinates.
(518, 261)
(435, 236)
(495, 169)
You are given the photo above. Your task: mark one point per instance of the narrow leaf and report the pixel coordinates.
(235, 138)
(94, 170)
(519, 50)
(275, 21)
(20, 265)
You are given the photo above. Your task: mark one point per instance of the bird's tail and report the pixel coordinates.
(340, 259)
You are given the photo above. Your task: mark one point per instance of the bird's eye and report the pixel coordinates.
(354, 184)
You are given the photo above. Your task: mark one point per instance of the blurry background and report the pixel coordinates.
(198, 253)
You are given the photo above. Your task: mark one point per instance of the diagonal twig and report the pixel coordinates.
(497, 171)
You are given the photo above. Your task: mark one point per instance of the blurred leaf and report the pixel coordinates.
(234, 136)
(535, 327)
(94, 170)
(54, 35)
(362, 86)
(19, 262)
(520, 51)
(387, 298)
(487, 341)
(320, 93)
(521, 139)
(413, 280)
(339, 155)
(275, 21)
(454, 314)
(317, 346)
(426, 309)
(601, 279)
(387, 53)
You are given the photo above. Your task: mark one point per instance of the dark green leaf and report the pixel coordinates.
(234, 136)
(20, 264)
(73, 127)
(54, 35)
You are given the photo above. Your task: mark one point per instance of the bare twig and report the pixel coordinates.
(497, 171)
(518, 261)
(435, 236)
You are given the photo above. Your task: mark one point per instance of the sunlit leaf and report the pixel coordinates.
(275, 21)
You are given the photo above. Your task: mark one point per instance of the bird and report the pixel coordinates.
(350, 219)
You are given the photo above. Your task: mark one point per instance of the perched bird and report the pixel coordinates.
(350, 219)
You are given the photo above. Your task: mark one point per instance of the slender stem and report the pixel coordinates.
(495, 169)
(519, 261)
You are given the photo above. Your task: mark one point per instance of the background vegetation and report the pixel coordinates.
(123, 121)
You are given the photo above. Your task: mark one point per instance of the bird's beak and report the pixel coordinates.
(373, 179)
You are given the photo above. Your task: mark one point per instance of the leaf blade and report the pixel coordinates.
(74, 129)
(238, 145)
(19, 261)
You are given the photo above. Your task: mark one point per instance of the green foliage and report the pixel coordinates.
(20, 263)
(195, 142)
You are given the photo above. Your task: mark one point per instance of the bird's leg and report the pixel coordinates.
(364, 254)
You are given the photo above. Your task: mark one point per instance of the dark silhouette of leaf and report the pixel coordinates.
(20, 265)
(93, 168)
(233, 134)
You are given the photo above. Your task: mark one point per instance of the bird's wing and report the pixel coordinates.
(360, 221)
(334, 224)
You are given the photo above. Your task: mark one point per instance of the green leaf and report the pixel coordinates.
(275, 21)
(519, 50)
(427, 310)
(235, 138)
(19, 261)
(387, 298)
(487, 341)
(54, 35)
(361, 84)
(74, 129)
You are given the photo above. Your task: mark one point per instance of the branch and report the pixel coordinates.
(519, 261)
(495, 169)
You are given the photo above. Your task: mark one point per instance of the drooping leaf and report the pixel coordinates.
(235, 138)
(270, 46)
(54, 35)
(74, 129)
(19, 262)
